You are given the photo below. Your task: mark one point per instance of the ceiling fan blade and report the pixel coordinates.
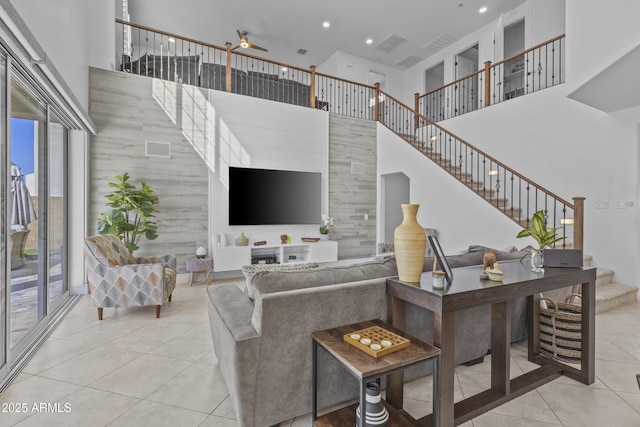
(239, 34)
(253, 46)
(236, 47)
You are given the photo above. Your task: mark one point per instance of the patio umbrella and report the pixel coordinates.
(22, 211)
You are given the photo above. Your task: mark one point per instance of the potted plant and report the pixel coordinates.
(325, 226)
(132, 212)
(541, 234)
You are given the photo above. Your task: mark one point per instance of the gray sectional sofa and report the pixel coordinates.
(264, 345)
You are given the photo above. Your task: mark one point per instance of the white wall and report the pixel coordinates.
(355, 68)
(251, 132)
(61, 28)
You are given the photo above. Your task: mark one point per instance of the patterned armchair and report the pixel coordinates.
(118, 279)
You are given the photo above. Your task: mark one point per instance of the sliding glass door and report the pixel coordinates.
(28, 209)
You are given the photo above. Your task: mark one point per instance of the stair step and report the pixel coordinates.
(604, 276)
(614, 295)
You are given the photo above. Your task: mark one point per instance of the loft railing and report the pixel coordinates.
(154, 53)
(537, 68)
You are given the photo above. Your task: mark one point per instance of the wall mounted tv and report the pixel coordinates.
(269, 197)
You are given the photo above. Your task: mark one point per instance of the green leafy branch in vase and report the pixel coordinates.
(539, 231)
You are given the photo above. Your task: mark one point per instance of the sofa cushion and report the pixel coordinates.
(250, 271)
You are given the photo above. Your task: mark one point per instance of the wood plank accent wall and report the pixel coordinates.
(352, 195)
(129, 110)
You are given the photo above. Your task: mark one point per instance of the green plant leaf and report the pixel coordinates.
(132, 212)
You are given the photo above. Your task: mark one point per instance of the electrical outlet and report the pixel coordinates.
(366, 217)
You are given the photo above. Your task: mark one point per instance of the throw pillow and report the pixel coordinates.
(250, 271)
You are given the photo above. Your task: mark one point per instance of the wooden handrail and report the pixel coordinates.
(524, 52)
(477, 150)
(453, 83)
(346, 81)
(176, 36)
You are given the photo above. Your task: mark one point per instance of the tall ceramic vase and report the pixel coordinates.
(409, 240)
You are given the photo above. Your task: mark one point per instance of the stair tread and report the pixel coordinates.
(613, 290)
(613, 295)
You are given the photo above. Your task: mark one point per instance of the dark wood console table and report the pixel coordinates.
(467, 290)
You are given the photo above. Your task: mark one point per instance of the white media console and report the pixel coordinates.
(230, 258)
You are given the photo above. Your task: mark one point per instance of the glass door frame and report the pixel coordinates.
(44, 310)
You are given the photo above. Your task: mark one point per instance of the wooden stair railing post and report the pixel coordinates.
(487, 83)
(228, 70)
(416, 120)
(578, 222)
(377, 109)
(312, 90)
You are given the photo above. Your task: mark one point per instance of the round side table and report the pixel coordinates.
(199, 265)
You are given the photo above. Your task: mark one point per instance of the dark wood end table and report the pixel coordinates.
(367, 368)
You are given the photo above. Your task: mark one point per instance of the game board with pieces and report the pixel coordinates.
(376, 341)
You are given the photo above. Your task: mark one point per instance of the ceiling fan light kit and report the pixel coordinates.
(244, 42)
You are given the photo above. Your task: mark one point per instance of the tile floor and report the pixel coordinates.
(134, 370)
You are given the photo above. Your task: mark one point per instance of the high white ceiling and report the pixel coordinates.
(285, 26)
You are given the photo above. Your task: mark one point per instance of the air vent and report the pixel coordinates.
(390, 43)
(440, 42)
(157, 149)
(357, 168)
(409, 61)
(302, 51)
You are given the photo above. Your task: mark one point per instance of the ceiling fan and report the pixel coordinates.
(244, 42)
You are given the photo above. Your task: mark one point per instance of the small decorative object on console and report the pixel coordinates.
(260, 243)
(325, 226)
(201, 252)
(283, 239)
(376, 341)
(495, 273)
(310, 239)
(242, 240)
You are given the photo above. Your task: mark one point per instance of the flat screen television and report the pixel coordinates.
(270, 197)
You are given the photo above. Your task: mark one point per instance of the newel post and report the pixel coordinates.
(487, 83)
(377, 109)
(228, 70)
(416, 108)
(578, 222)
(312, 91)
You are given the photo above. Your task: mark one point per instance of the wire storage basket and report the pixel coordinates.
(561, 329)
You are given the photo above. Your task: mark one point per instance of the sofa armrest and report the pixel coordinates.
(234, 309)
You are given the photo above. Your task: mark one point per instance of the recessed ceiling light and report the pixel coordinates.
(482, 10)
(369, 41)
(326, 24)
